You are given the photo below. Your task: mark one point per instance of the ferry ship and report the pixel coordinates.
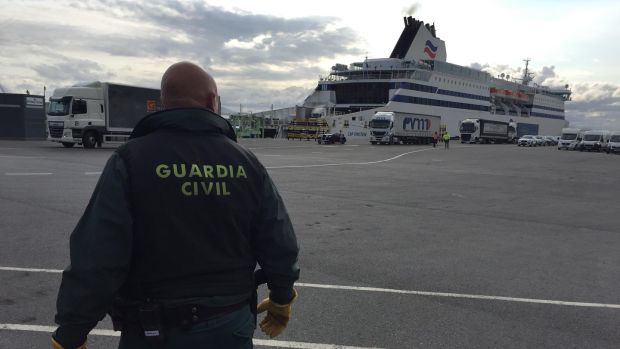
(417, 79)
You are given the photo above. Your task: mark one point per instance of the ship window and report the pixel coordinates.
(363, 93)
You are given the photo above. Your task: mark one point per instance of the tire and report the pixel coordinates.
(373, 142)
(68, 145)
(89, 139)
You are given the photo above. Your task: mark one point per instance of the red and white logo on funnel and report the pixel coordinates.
(430, 49)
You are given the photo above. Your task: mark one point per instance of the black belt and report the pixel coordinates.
(191, 314)
(182, 316)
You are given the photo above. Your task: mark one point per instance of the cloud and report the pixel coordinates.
(2, 89)
(72, 70)
(254, 100)
(258, 54)
(205, 33)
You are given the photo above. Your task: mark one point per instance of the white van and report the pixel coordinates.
(594, 140)
(613, 146)
(570, 138)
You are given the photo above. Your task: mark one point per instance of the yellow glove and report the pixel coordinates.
(57, 345)
(277, 316)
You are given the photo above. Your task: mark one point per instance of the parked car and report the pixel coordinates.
(549, 140)
(527, 141)
(332, 138)
(539, 140)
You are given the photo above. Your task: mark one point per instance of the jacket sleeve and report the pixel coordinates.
(276, 245)
(100, 250)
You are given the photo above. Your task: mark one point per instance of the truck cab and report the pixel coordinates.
(381, 125)
(470, 131)
(73, 115)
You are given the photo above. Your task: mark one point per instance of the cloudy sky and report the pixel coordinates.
(272, 52)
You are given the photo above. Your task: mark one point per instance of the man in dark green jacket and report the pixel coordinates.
(173, 232)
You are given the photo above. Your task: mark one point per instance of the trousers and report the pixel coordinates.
(233, 330)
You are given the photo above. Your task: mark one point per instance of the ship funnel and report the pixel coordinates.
(419, 41)
(406, 38)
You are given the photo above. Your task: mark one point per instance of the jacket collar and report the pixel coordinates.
(188, 119)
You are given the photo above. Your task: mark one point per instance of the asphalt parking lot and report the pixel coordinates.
(479, 246)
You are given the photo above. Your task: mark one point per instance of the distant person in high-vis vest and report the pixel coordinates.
(170, 240)
(446, 139)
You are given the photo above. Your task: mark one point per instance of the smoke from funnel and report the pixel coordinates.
(411, 10)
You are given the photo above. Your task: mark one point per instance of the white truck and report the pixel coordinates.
(98, 112)
(388, 127)
(570, 138)
(595, 140)
(487, 131)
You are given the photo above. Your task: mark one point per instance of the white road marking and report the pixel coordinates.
(32, 270)
(260, 342)
(310, 145)
(97, 173)
(29, 173)
(396, 291)
(461, 295)
(349, 163)
(21, 156)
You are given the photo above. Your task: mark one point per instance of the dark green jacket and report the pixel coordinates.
(180, 212)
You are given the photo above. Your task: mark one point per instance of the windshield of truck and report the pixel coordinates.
(379, 123)
(615, 139)
(59, 106)
(468, 127)
(569, 136)
(591, 138)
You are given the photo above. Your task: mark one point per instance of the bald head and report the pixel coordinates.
(185, 84)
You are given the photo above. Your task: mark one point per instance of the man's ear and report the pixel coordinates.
(212, 103)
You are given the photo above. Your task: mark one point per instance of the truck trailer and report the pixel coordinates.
(98, 112)
(487, 131)
(405, 128)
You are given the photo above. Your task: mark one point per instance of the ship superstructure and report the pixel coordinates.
(417, 79)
